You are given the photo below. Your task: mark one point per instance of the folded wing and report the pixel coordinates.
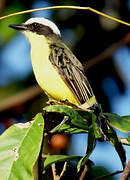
(71, 71)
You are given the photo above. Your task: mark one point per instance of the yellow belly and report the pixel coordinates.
(46, 75)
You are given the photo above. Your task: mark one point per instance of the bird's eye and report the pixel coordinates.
(35, 26)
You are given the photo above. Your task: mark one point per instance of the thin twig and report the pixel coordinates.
(20, 98)
(56, 177)
(83, 173)
(2, 5)
(126, 172)
(53, 170)
(63, 170)
(108, 175)
(68, 7)
(107, 53)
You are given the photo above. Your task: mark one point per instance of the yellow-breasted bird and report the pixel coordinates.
(57, 70)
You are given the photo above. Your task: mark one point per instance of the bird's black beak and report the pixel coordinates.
(20, 27)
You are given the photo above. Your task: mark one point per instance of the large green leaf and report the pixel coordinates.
(58, 158)
(76, 118)
(19, 149)
(120, 122)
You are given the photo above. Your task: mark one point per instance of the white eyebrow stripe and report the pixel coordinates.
(45, 22)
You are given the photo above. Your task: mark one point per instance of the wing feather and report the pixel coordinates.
(71, 71)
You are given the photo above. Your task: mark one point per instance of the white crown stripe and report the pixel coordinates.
(45, 22)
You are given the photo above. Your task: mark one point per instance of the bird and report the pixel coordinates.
(58, 72)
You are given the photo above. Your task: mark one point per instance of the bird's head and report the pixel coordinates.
(40, 26)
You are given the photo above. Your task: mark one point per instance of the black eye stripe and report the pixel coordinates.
(41, 29)
(34, 27)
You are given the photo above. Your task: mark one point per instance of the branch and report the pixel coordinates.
(55, 177)
(20, 98)
(83, 173)
(63, 170)
(108, 175)
(126, 172)
(2, 5)
(107, 53)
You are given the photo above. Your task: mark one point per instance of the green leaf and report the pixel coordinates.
(111, 135)
(125, 141)
(58, 158)
(76, 118)
(121, 123)
(90, 148)
(91, 101)
(19, 149)
(85, 115)
(115, 141)
(95, 127)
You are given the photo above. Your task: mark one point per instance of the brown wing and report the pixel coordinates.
(71, 71)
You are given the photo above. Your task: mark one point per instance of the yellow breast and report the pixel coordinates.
(46, 75)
